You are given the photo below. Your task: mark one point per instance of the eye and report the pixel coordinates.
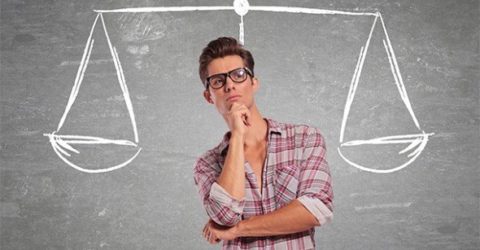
(217, 81)
(238, 74)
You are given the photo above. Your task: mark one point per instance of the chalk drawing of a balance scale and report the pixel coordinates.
(63, 145)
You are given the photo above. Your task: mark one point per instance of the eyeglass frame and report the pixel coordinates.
(227, 74)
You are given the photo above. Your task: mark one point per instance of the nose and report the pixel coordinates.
(229, 85)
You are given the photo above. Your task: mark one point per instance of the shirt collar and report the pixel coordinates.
(273, 127)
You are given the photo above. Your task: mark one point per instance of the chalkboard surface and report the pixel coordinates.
(85, 91)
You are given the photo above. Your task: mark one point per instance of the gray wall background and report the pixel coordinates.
(305, 64)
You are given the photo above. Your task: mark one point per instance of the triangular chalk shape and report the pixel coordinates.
(415, 142)
(63, 144)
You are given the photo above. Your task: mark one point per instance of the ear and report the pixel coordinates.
(255, 84)
(207, 96)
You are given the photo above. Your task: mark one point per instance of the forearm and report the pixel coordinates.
(222, 207)
(232, 177)
(289, 219)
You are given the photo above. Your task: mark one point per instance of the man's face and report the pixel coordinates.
(231, 92)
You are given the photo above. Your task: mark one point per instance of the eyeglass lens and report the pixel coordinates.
(219, 80)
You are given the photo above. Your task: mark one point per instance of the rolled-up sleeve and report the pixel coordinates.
(220, 206)
(315, 190)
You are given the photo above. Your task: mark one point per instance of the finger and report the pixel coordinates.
(212, 239)
(234, 106)
(207, 225)
(216, 241)
(246, 117)
(209, 236)
(205, 233)
(237, 106)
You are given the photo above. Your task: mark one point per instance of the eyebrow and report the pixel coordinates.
(225, 72)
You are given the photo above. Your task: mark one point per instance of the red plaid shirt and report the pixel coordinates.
(295, 168)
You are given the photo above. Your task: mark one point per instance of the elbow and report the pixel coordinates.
(225, 217)
(321, 213)
(223, 214)
(320, 220)
(323, 219)
(222, 208)
(316, 222)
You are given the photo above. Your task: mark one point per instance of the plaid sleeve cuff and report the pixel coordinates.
(225, 199)
(317, 208)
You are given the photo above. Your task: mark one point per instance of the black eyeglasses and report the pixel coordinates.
(219, 80)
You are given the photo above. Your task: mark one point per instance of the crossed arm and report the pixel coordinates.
(224, 204)
(291, 218)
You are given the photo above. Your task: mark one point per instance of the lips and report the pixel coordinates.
(232, 98)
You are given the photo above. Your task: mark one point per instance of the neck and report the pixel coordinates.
(257, 132)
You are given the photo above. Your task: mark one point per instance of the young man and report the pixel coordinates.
(267, 184)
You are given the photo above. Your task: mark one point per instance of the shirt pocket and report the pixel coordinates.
(286, 184)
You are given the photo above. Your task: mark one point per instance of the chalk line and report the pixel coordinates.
(395, 139)
(165, 9)
(310, 11)
(398, 78)
(81, 71)
(282, 9)
(57, 143)
(62, 143)
(121, 80)
(419, 143)
(416, 142)
(355, 80)
(383, 206)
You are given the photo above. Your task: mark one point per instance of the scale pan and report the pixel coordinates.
(385, 154)
(112, 153)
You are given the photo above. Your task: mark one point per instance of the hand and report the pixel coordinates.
(208, 234)
(213, 232)
(238, 118)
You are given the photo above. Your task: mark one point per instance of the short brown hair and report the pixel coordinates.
(221, 47)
